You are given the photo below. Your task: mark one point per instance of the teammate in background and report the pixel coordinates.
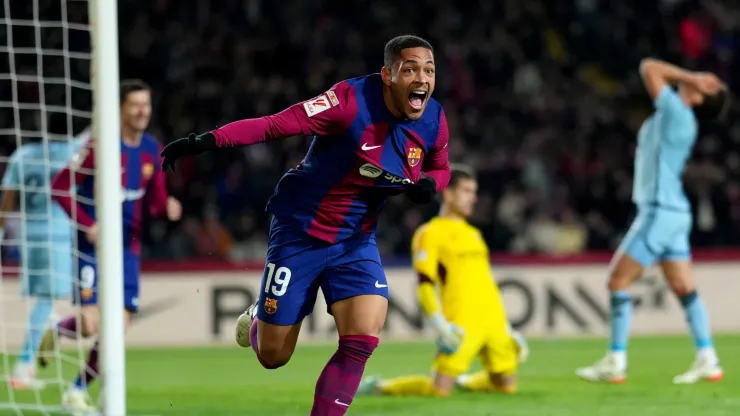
(450, 256)
(375, 137)
(74, 188)
(46, 258)
(660, 232)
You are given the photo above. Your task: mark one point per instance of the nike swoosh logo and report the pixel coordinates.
(365, 147)
(379, 286)
(340, 403)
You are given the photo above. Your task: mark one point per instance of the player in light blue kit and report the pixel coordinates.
(660, 232)
(46, 237)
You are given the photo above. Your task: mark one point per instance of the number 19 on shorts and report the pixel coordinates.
(277, 280)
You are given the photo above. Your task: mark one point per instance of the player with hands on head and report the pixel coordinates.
(660, 232)
(74, 191)
(468, 317)
(375, 136)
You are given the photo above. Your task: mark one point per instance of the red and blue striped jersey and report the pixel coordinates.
(141, 178)
(361, 155)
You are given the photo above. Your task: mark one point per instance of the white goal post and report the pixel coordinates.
(103, 15)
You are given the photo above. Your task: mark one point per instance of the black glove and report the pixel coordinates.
(187, 146)
(422, 192)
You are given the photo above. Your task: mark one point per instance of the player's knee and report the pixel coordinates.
(619, 282)
(360, 315)
(89, 328)
(89, 324)
(625, 271)
(681, 287)
(273, 358)
(615, 284)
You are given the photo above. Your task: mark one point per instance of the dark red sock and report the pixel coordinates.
(67, 327)
(341, 377)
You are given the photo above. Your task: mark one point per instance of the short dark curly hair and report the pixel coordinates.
(394, 47)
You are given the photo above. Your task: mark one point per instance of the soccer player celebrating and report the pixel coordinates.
(46, 256)
(450, 254)
(660, 232)
(140, 177)
(375, 136)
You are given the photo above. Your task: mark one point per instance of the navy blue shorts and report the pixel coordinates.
(86, 286)
(298, 265)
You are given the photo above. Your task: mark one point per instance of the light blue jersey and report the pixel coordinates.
(30, 170)
(46, 254)
(664, 144)
(662, 228)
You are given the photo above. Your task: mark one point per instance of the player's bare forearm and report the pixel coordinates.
(7, 203)
(656, 74)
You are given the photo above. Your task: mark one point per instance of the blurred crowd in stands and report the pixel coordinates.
(543, 99)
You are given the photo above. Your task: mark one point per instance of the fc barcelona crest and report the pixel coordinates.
(147, 170)
(270, 306)
(414, 156)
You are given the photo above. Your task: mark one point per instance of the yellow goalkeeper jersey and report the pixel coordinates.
(453, 255)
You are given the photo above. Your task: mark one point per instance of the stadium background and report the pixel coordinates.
(543, 99)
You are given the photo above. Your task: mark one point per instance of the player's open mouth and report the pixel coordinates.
(417, 99)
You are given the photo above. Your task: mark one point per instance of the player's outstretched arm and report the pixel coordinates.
(63, 185)
(657, 74)
(328, 114)
(435, 168)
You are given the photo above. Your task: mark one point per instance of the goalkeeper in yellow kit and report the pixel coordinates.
(451, 258)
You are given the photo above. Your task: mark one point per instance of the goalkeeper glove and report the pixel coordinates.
(449, 336)
(422, 192)
(187, 146)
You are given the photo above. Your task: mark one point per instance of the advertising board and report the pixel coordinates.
(199, 308)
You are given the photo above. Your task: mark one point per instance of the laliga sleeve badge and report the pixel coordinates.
(317, 105)
(270, 306)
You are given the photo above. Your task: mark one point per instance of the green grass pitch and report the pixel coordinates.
(228, 381)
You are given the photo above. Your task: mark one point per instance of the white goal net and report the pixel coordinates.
(45, 101)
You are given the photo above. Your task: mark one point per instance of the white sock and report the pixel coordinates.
(708, 355)
(620, 359)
